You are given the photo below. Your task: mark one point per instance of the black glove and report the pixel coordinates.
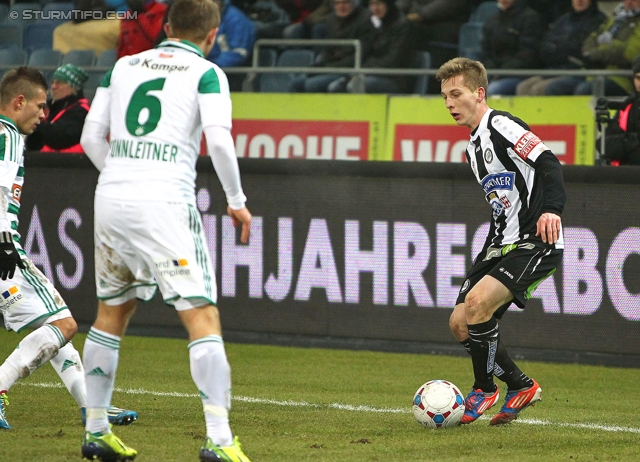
(9, 256)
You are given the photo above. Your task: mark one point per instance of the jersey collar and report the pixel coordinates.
(9, 122)
(183, 44)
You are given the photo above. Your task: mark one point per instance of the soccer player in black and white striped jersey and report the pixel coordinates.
(522, 181)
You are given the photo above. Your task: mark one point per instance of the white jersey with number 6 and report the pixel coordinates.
(156, 104)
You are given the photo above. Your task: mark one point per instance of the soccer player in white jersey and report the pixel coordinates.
(28, 300)
(522, 181)
(148, 233)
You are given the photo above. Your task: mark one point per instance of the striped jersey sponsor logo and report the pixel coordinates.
(526, 144)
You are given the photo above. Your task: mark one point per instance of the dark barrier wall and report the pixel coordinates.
(365, 250)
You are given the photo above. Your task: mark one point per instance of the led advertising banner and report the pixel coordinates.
(366, 250)
(421, 129)
(315, 127)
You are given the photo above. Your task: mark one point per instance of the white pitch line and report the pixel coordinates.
(341, 407)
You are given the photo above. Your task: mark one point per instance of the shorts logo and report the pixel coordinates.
(465, 286)
(526, 144)
(11, 297)
(16, 192)
(173, 268)
(134, 61)
(488, 156)
(507, 273)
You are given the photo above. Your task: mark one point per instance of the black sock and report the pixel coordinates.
(467, 345)
(507, 371)
(483, 343)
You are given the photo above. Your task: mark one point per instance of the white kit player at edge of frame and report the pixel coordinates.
(148, 234)
(28, 300)
(438, 404)
(523, 183)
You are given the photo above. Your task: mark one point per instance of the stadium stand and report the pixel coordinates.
(82, 58)
(56, 6)
(423, 61)
(107, 58)
(21, 12)
(484, 11)
(10, 35)
(91, 85)
(38, 34)
(470, 39)
(44, 57)
(13, 56)
(285, 83)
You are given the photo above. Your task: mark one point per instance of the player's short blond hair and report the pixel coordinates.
(193, 19)
(23, 80)
(474, 73)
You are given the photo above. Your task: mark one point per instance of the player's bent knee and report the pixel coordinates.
(68, 327)
(458, 324)
(201, 321)
(476, 308)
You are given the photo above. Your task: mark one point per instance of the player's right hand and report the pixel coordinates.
(548, 228)
(9, 256)
(241, 216)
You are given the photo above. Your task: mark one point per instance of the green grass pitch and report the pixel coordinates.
(298, 404)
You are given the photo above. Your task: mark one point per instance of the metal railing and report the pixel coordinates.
(357, 69)
(358, 83)
(255, 69)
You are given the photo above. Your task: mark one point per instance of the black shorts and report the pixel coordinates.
(520, 267)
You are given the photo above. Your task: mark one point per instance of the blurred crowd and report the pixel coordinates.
(557, 35)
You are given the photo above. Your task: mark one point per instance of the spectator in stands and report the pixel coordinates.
(561, 47)
(67, 109)
(613, 46)
(550, 10)
(235, 37)
(314, 24)
(349, 21)
(85, 33)
(299, 10)
(622, 136)
(510, 41)
(435, 25)
(140, 33)
(269, 18)
(117, 5)
(234, 41)
(391, 47)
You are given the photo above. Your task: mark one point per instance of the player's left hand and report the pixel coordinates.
(9, 256)
(241, 216)
(548, 228)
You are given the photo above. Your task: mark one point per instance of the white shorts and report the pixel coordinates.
(143, 245)
(29, 300)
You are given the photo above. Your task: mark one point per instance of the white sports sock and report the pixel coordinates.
(33, 351)
(212, 375)
(100, 359)
(69, 367)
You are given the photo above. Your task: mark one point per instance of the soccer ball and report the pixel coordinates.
(438, 404)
